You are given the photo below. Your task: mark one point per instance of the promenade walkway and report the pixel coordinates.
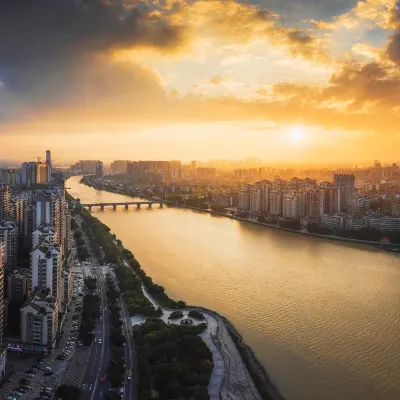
(230, 379)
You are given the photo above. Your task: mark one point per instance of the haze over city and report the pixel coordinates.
(313, 81)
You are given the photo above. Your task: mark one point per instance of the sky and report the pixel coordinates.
(290, 81)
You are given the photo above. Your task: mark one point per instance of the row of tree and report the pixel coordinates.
(172, 361)
(90, 312)
(116, 365)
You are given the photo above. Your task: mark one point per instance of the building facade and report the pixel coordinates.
(46, 267)
(19, 286)
(9, 234)
(39, 323)
(5, 201)
(347, 186)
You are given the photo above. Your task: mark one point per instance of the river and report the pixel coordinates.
(323, 317)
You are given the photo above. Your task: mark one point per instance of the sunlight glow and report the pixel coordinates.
(297, 134)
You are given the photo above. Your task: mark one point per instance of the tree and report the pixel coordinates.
(68, 392)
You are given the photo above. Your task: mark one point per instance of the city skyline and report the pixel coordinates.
(314, 83)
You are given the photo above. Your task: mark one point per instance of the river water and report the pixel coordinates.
(322, 317)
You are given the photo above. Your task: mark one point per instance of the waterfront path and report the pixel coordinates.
(230, 379)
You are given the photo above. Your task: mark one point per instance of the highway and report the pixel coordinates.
(98, 360)
(96, 368)
(129, 387)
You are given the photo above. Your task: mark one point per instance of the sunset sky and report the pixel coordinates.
(285, 80)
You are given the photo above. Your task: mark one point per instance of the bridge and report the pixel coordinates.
(138, 204)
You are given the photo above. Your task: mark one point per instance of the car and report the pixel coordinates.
(24, 381)
(121, 390)
(102, 379)
(35, 366)
(11, 398)
(22, 390)
(48, 373)
(46, 368)
(100, 341)
(16, 393)
(30, 375)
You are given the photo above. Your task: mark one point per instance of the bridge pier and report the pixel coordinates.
(138, 205)
(161, 205)
(102, 207)
(90, 208)
(149, 205)
(115, 207)
(126, 206)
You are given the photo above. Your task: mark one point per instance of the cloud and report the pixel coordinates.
(369, 13)
(55, 51)
(238, 22)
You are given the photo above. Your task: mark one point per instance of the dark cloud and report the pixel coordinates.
(393, 48)
(50, 48)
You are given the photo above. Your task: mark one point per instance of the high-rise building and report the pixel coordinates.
(9, 234)
(264, 190)
(48, 157)
(29, 173)
(29, 226)
(39, 322)
(331, 200)
(42, 173)
(85, 166)
(46, 267)
(11, 176)
(275, 202)
(19, 286)
(244, 199)
(119, 167)
(67, 231)
(133, 169)
(315, 203)
(66, 288)
(346, 186)
(44, 232)
(50, 209)
(5, 201)
(2, 349)
(49, 165)
(99, 170)
(255, 200)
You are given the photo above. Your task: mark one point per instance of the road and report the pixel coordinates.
(130, 385)
(99, 354)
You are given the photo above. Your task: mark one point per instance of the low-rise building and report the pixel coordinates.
(334, 221)
(39, 323)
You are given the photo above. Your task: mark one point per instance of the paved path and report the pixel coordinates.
(230, 379)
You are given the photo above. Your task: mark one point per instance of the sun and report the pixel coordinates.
(297, 134)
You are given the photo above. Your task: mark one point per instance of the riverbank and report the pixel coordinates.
(387, 246)
(253, 368)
